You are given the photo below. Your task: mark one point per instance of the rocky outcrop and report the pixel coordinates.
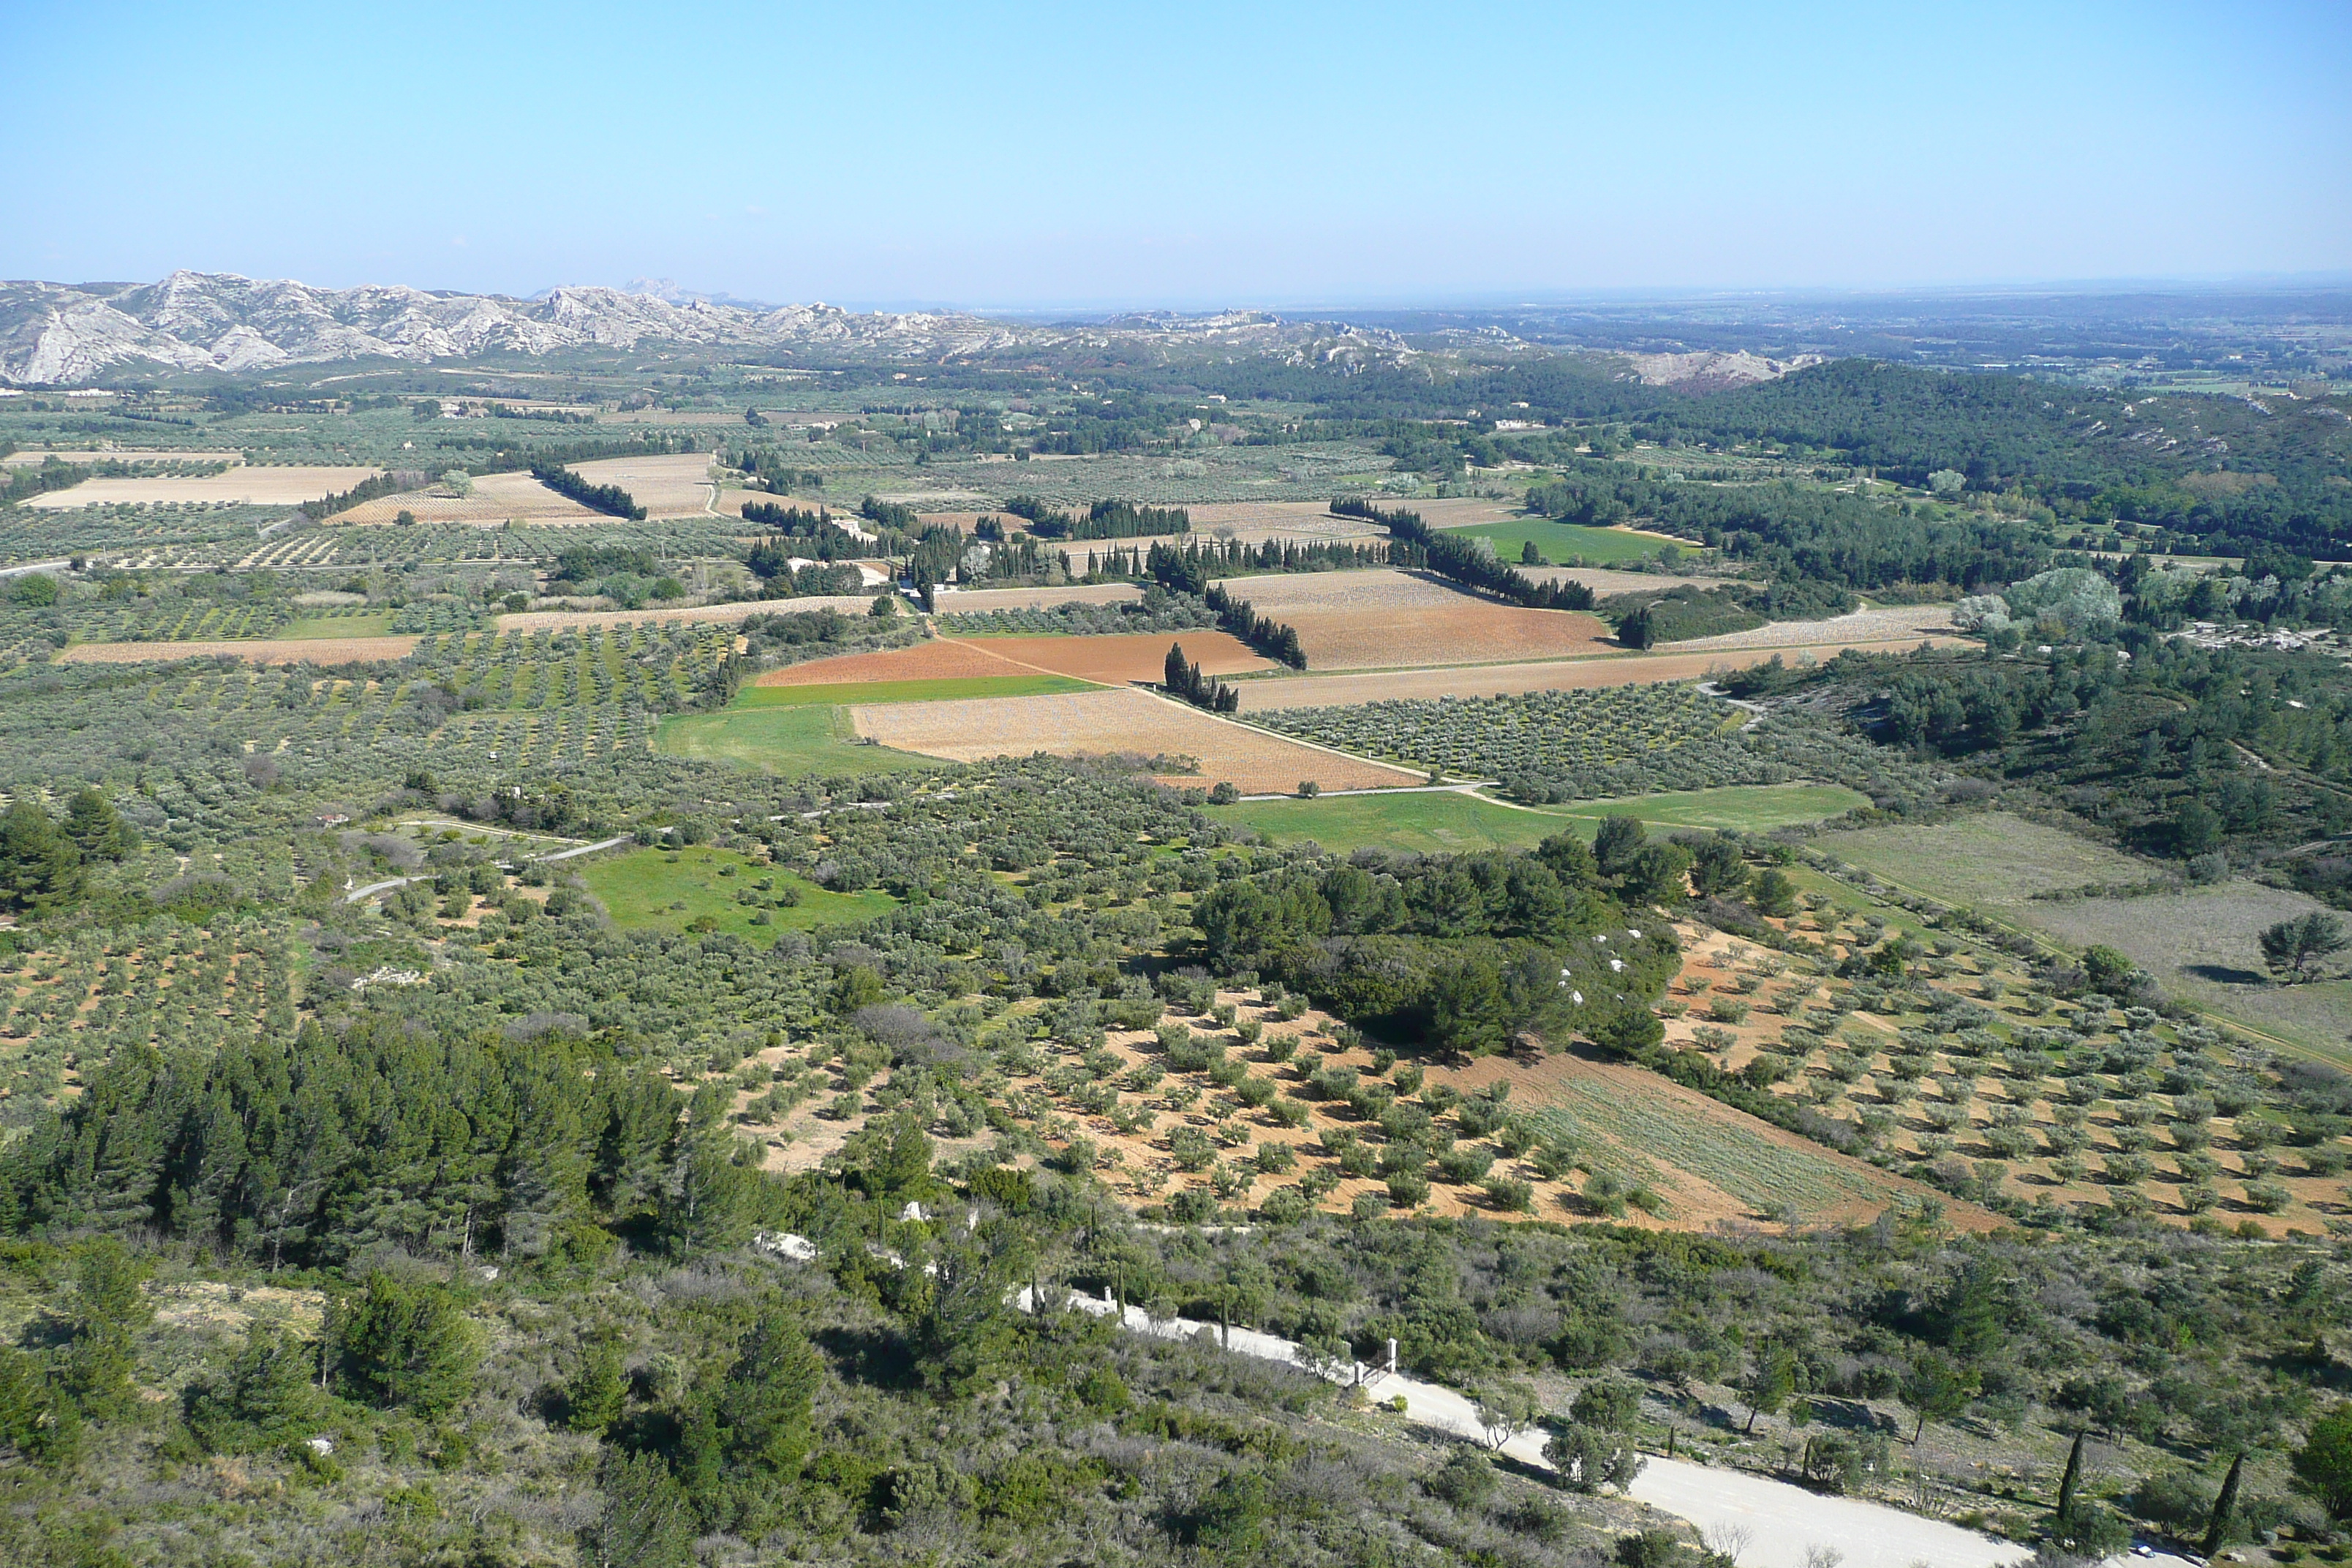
(1715, 372)
(56, 334)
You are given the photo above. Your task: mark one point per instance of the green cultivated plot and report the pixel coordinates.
(1561, 542)
(1432, 822)
(804, 739)
(673, 890)
(374, 624)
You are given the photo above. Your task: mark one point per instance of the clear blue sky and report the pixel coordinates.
(1190, 156)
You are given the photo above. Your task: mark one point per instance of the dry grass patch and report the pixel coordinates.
(1897, 621)
(666, 485)
(977, 601)
(286, 650)
(495, 499)
(1121, 722)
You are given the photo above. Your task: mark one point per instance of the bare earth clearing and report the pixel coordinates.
(248, 486)
(1096, 723)
(291, 651)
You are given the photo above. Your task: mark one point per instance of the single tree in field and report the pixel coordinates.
(1935, 1389)
(2293, 947)
(1766, 1385)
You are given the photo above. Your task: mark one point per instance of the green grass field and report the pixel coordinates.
(906, 690)
(804, 739)
(1994, 860)
(1443, 822)
(667, 891)
(374, 624)
(1563, 541)
(1751, 808)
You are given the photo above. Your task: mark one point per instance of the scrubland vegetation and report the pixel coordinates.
(1825, 1072)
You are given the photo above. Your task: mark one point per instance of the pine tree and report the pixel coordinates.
(40, 869)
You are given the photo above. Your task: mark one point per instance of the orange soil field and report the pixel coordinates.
(292, 651)
(1095, 724)
(496, 498)
(559, 620)
(1470, 632)
(937, 659)
(1565, 675)
(257, 485)
(1118, 659)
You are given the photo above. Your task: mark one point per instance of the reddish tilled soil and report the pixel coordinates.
(938, 659)
(1118, 660)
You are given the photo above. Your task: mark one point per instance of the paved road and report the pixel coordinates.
(362, 895)
(1785, 1522)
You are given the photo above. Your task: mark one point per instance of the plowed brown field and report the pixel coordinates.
(1374, 588)
(1470, 632)
(1127, 657)
(289, 650)
(1097, 723)
(938, 659)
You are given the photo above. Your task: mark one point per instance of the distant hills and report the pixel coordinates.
(55, 334)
